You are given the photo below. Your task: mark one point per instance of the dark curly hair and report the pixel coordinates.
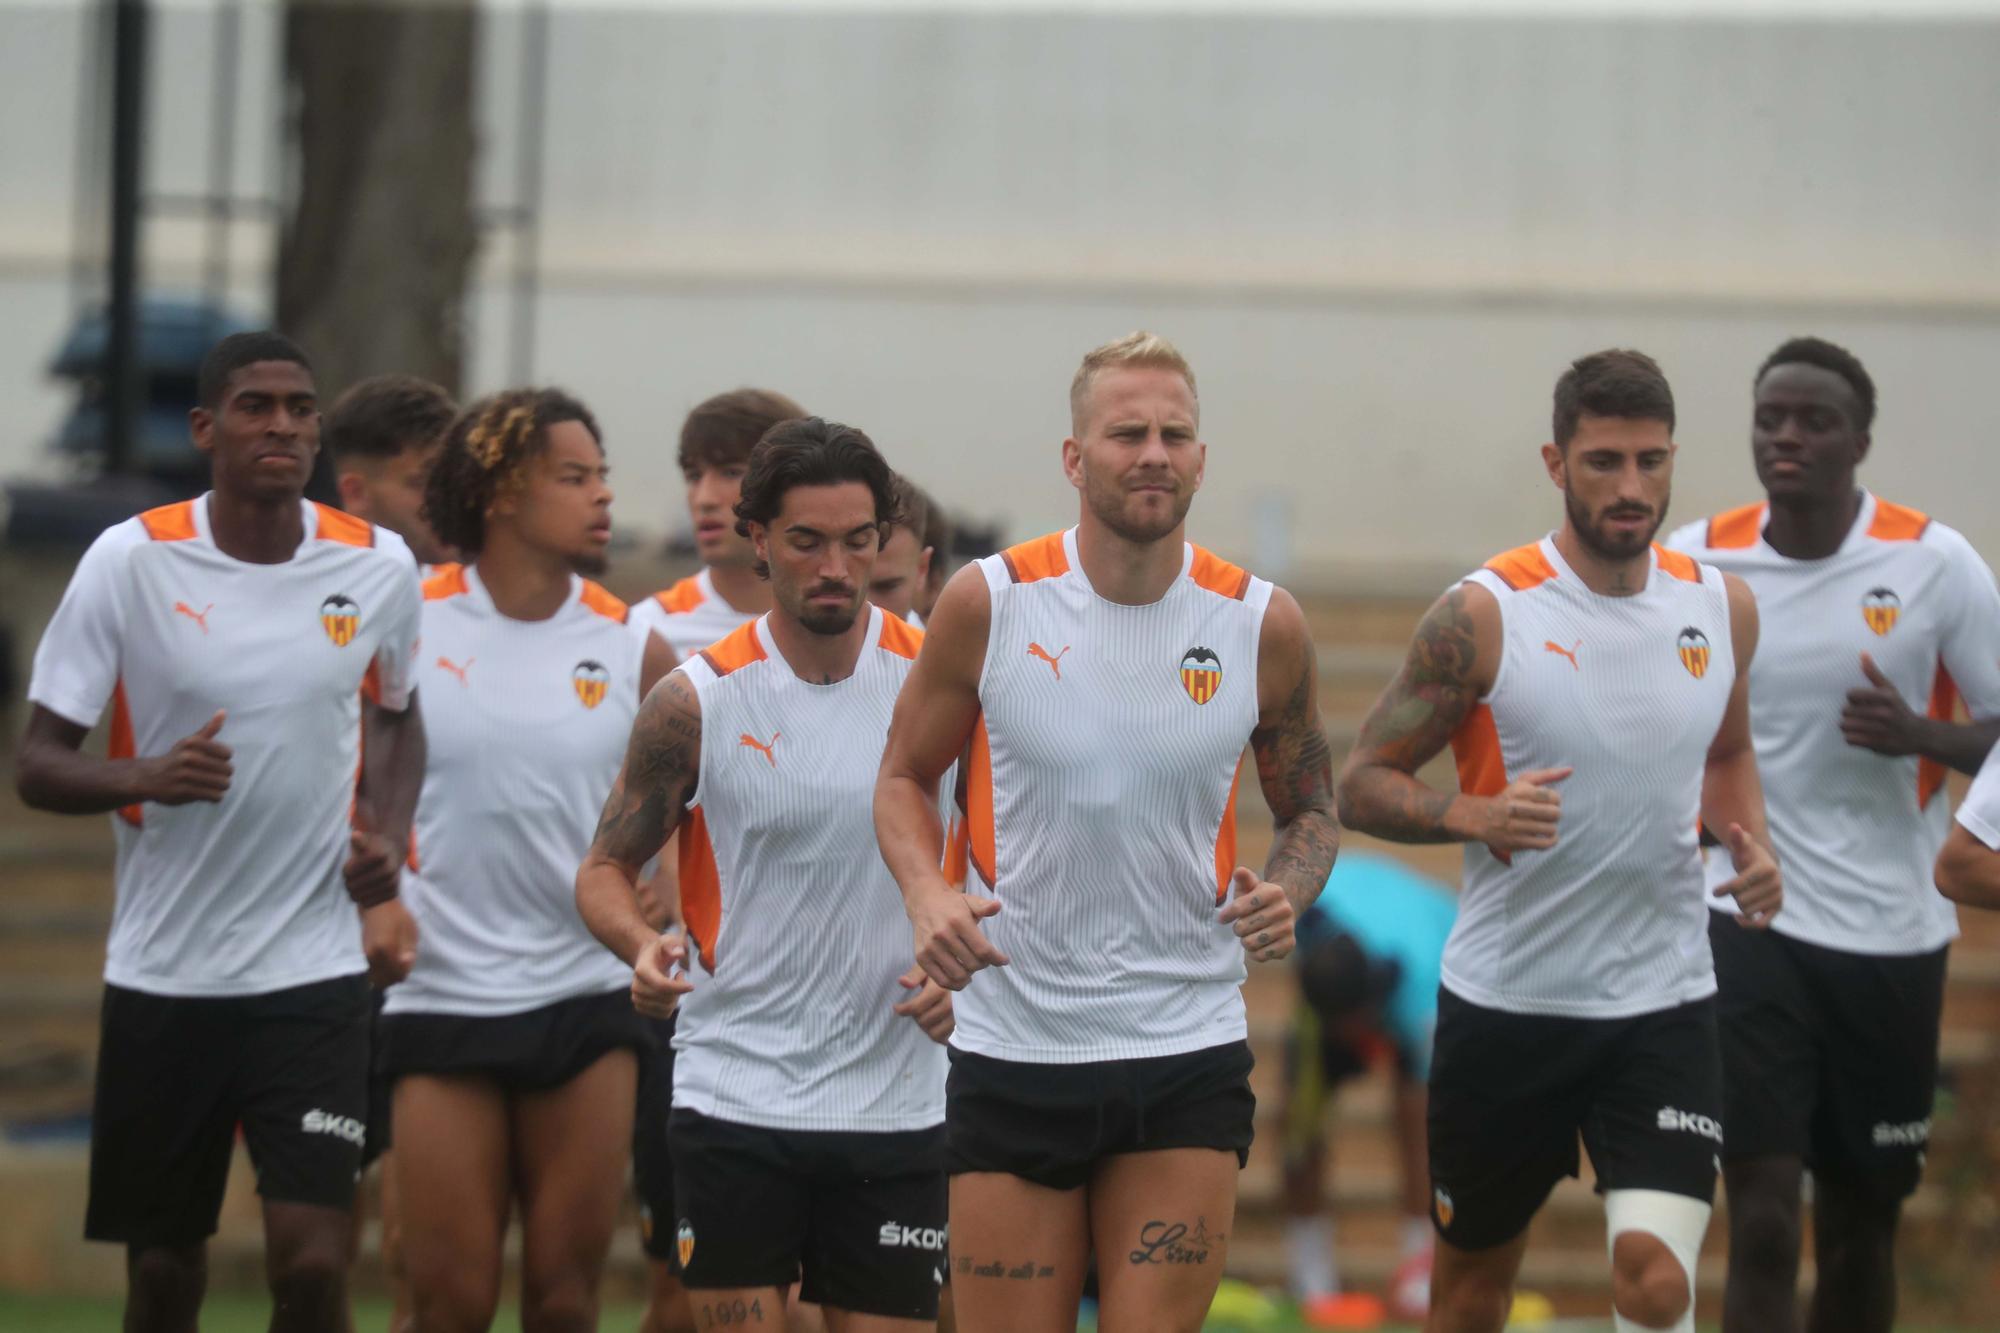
(486, 453)
(1827, 356)
(1613, 383)
(809, 451)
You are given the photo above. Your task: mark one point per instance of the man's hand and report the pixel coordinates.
(1260, 914)
(1876, 718)
(374, 868)
(928, 1005)
(1523, 817)
(659, 976)
(197, 768)
(1757, 889)
(389, 938)
(950, 947)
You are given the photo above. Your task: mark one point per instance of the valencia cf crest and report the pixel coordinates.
(1880, 608)
(684, 1241)
(591, 681)
(340, 617)
(1693, 645)
(1201, 674)
(1441, 1204)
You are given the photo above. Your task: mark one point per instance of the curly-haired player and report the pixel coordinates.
(513, 1043)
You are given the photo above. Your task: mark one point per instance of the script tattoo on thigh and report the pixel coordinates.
(1162, 1242)
(730, 1314)
(1028, 1270)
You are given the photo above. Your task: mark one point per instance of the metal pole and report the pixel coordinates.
(222, 154)
(527, 237)
(121, 352)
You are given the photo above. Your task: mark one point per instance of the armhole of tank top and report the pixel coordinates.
(997, 578)
(1257, 600)
(1721, 587)
(699, 679)
(1494, 584)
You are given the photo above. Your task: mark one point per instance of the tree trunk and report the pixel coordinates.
(378, 243)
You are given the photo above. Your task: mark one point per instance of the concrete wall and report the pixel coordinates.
(1379, 238)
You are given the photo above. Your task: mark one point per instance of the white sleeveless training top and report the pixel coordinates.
(800, 926)
(1628, 691)
(526, 722)
(1101, 809)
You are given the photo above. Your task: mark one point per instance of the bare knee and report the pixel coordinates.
(454, 1298)
(562, 1306)
(311, 1278)
(1764, 1235)
(165, 1286)
(1473, 1304)
(667, 1308)
(1648, 1284)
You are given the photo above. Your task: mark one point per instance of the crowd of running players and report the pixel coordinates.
(888, 930)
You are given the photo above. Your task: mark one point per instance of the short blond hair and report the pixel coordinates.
(1141, 349)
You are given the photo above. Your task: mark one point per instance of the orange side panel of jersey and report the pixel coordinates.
(445, 581)
(957, 851)
(371, 682)
(1897, 523)
(602, 602)
(701, 886)
(1944, 706)
(1218, 575)
(338, 526)
(1042, 558)
(1523, 567)
(170, 523)
(736, 649)
(1677, 563)
(1736, 529)
(119, 745)
(680, 599)
(900, 637)
(1482, 769)
(1225, 838)
(979, 804)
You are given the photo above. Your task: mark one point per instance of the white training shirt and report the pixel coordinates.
(690, 615)
(242, 896)
(1101, 809)
(1630, 692)
(527, 722)
(799, 924)
(1857, 833)
(1979, 813)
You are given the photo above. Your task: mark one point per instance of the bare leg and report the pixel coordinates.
(1161, 1223)
(455, 1179)
(571, 1146)
(1019, 1252)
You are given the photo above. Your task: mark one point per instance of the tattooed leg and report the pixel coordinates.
(1161, 1223)
(1018, 1254)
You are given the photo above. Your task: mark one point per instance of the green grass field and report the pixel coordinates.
(229, 1312)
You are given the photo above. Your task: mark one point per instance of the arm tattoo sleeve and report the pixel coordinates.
(1412, 721)
(1295, 769)
(661, 766)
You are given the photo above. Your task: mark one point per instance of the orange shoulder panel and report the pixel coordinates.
(445, 581)
(680, 599)
(602, 602)
(1219, 576)
(900, 637)
(1042, 558)
(345, 528)
(1736, 529)
(1897, 523)
(738, 648)
(170, 523)
(1677, 563)
(1523, 567)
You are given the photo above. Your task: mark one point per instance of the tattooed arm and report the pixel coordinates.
(1295, 769)
(661, 766)
(1451, 665)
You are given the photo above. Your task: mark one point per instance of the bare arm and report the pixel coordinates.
(935, 716)
(1876, 717)
(1968, 871)
(657, 661)
(1452, 663)
(53, 773)
(1295, 770)
(1732, 794)
(662, 766)
(393, 755)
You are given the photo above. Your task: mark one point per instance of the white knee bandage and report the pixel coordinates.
(1676, 1221)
